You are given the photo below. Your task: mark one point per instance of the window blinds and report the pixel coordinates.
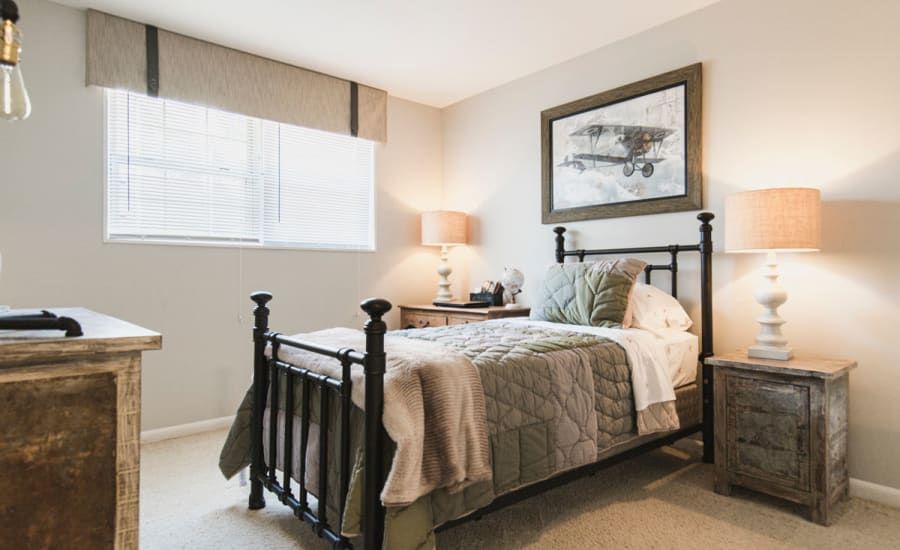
(183, 173)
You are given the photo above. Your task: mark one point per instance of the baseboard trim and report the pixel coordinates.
(881, 494)
(184, 430)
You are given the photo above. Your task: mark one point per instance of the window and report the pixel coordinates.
(180, 173)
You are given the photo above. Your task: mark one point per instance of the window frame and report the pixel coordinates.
(107, 238)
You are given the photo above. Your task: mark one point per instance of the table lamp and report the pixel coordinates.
(443, 228)
(773, 220)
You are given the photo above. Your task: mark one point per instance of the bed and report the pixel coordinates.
(529, 405)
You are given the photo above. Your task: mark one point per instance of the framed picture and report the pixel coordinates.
(630, 151)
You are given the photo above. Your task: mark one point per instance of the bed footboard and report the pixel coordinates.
(266, 371)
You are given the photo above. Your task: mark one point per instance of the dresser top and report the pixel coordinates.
(102, 334)
(798, 366)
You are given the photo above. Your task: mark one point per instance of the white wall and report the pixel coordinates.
(795, 93)
(51, 201)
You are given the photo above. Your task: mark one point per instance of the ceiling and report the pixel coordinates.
(435, 52)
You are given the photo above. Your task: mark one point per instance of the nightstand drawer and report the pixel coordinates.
(422, 320)
(423, 316)
(463, 319)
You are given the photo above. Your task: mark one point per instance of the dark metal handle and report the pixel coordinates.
(44, 320)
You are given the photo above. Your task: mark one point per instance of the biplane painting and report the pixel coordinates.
(633, 150)
(630, 151)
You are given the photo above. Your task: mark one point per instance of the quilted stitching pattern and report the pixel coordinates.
(552, 397)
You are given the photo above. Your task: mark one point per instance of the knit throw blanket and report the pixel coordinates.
(433, 410)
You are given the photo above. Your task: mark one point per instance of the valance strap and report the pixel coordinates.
(354, 109)
(152, 34)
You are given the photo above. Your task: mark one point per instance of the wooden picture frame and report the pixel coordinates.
(630, 151)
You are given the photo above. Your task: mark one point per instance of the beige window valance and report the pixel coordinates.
(195, 71)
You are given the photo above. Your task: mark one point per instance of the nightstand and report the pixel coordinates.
(421, 316)
(781, 428)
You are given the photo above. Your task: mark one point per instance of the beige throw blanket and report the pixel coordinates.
(433, 410)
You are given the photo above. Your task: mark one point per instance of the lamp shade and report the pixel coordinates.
(781, 219)
(443, 227)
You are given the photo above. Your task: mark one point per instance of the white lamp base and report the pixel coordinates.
(766, 352)
(770, 342)
(444, 270)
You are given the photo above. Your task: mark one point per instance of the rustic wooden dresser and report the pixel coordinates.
(781, 428)
(70, 410)
(423, 316)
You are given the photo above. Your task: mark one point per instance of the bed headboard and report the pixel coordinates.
(705, 248)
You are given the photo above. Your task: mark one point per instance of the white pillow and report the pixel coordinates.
(652, 309)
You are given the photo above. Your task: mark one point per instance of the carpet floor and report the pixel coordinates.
(663, 499)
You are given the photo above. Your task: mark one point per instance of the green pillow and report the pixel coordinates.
(590, 294)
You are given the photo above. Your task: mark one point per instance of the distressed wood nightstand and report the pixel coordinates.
(781, 428)
(421, 316)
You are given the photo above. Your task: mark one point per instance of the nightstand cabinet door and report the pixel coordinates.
(768, 430)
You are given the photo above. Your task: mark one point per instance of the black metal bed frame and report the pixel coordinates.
(263, 472)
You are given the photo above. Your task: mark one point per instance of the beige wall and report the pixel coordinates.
(795, 93)
(51, 201)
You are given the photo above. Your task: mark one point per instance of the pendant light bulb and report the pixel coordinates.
(14, 101)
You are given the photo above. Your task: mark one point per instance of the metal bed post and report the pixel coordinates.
(260, 387)
(373, 511)
(706, 330)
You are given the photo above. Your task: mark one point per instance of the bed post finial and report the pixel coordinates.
(706, 332)
(375, 308)
(260, 388)
(373, 511)
(560, 244)
(261, 297)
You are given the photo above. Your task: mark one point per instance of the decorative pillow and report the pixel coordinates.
(593, 294)
(630, 267)
(653, 308)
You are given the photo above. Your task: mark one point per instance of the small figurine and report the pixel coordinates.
(512, 281)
